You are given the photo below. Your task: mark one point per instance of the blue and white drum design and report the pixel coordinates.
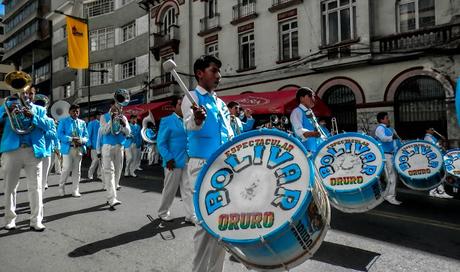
(350, 166)
(452, 167)
(257, 194)
(419, 164)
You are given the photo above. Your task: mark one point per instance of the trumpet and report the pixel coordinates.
(318, 128)
(121, 98)
(15, 105)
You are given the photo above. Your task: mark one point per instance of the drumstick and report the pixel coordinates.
(169, 66)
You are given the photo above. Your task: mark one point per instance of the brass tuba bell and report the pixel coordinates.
(19, 83)
(121, 98)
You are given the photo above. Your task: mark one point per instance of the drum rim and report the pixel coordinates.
(402, 174)
(353, 134)
(447, 152)
(218, 152)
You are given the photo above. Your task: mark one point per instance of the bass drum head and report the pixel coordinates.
(419, 164)
(253, 190)
(350, 167)
(452, 167)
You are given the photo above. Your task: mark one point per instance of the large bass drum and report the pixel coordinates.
(258, 196)
(452, 167)
(351, 168)
(419, 164)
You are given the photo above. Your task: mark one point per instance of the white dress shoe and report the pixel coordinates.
(76, 194)
(61, 191)
(37, 227)
(10, 226)
(167, 217)
(114, 203)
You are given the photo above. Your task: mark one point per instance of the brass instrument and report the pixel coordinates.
(318, 128)
(284, 120)
(15, 105)
(121, 97)
(334, 127)
(145, 122)
(60, 110)
(274, 120)
(42, 100)
(439, 134)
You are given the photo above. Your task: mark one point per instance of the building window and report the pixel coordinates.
(166, 77)
(21, 16)
(247, 50)
(128, 31)
(128, 69)
(338, 20)
(99, 76)
(101, 39)
(98, 7)
(67, 90)
(169, 19)
(21, 35)
(211, 8)
(212, 50)
(289, 40)
(415, 14)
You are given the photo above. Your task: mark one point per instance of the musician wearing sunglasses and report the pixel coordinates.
(208, 127)
(386, 135)
(303, 120)
(24, 150)
(235, 113)
(114, 129)
(73, 135)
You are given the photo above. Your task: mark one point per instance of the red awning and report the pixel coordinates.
(278, 102)
(158, 109)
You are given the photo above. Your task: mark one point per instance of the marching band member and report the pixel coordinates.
(93, 130)
(438, 191)
(172, 145)
(112, 152)
(56, 156)
(24, 151)
(152, 153)
(386, 136)
(302, 124)
(73, 135)
(238, 125)
(208, 127)
(131, 145)
(51, 143)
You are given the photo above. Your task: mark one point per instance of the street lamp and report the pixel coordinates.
(89, 85)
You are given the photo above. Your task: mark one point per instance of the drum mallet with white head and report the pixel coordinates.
(169, 66)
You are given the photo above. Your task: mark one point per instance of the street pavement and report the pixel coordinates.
(83, 234)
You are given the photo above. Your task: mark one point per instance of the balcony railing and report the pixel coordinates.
(163, 85)
(281, 4)
(209, 25)
(158, 41)
(418, 39)
(243, 12)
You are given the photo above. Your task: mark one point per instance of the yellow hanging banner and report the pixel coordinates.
(77, 43)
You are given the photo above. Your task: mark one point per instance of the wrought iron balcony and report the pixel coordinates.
(209, 25)
(163, 85)
(418, 39)
(243, 13)
(165, 41)
(281, 4)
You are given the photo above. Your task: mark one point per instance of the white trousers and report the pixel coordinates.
(95, 164)
(138, 157)
(209, 254)
(71, 162)
(46, 166)
(56, 162)
(173, 179)
(392, 176)
(112, 163)
(13, 162)
(131, 159)
(153, 154)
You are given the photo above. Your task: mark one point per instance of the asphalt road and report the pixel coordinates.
(423, 234)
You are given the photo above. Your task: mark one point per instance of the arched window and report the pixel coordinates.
(342, 102)
(419, 104)
(169, 19)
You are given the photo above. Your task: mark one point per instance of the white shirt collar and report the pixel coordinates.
(202, 91)
(303, 107)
